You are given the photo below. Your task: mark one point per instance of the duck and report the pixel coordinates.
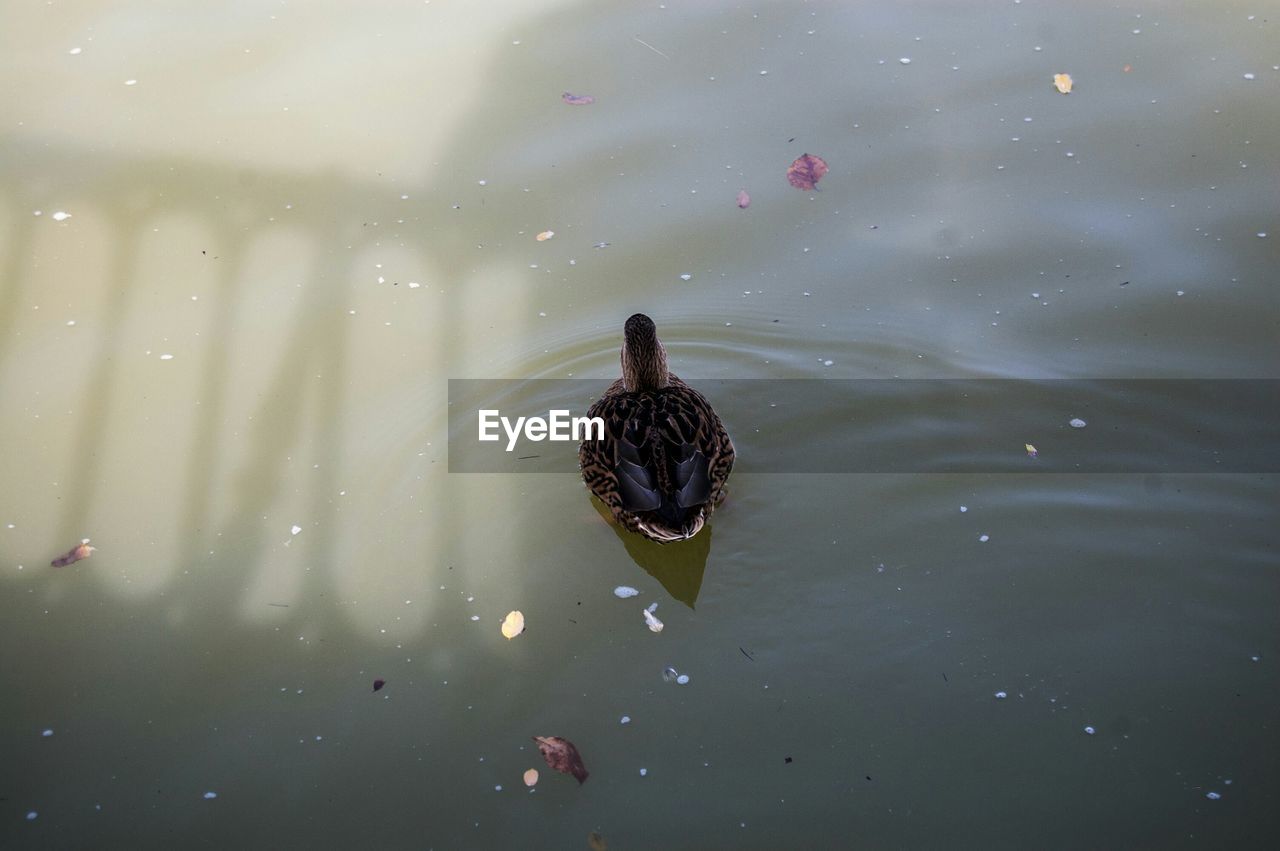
(665, 456)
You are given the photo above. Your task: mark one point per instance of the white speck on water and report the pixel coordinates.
(1249, 76)
(686, 276)
(1251, 658)
(1001, 695)
(295, 530)
(60, 216)
(963, 509)
(413, 285)
(625, 719)
(75, 51)
(483, 182)
(1262, 234)
(131, 82)
(71, 323)
(32, 815)
(984, 538)
(764, 73)
(1089, 730)
(683, 680)
(1028, 119)
(166, 356)
(1212, 796)
(1070, 155)
(209, 796)
(905, 60)
(622, 592)
(1181, 293)
(1076, 422)
(828, 363)
(643, 772)
(669, 674)
(47, 732)
(475, 617)
(1035, 295)
(498, 788)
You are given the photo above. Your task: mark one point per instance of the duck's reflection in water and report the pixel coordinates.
(678, 566)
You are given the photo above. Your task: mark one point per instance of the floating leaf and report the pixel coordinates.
(806, 171)
(744, 200)
(651, 619)
(531, 777)
(596, 842)
(561, 755)
(1062, 82)
(513, 625)
(577, 100)
(73, 555)
(1127, 68)
(1032, 451)
(378, 684)
(545, 235)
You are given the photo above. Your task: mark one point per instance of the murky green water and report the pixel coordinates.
(296, 223)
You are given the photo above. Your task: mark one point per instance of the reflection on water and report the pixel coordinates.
(678, 566)
(292, 229)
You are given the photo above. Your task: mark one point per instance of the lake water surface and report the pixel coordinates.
(244, 248)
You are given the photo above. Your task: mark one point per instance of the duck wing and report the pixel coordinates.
(658, 454)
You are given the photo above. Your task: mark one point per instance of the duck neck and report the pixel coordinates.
(644, 365)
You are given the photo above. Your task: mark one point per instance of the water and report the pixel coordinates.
(222, 341)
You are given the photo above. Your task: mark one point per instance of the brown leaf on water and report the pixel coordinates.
(378, 684)
(73, 555)
(577, 100)
(806, 171)
(744, 200)
(561, 755)
(596, 842)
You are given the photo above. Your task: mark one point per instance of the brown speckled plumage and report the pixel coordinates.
(665, 457)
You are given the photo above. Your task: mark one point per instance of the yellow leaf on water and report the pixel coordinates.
(545, 235)
(1032, 451)
(1062, 82)
(531, 777)
(513, 625)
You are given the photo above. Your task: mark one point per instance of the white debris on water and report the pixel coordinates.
(984, 538)
(652, 621)
(209, 796)
(75, 51)
(686, 276)
(963, 509)
(293, 530)
(131, 82)
(1249, 76)
(643, 772)
(669, 674)
(1212, 796)
(167, 356)
(622, 592)
(905, 60)
(1089, 730)
(60, 216)
(1076, 422)
(683, 679)
(47, 732)
(32, 815)
(1001, 695)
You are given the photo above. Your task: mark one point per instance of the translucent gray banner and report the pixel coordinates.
(916, 425)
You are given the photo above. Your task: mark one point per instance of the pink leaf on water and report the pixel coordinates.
(744, 200)
(577, 100)
(806, 171)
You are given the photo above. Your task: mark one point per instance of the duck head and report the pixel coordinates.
(644, 360)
